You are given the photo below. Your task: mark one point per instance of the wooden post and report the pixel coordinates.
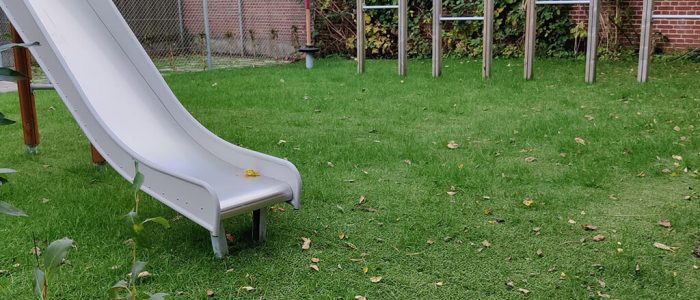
(360, 36)
(437, 38)
(645, 41)
(27, 107)
(487, 39)
(96, 156)
(530, 31)
(403, 35)
(592, 44)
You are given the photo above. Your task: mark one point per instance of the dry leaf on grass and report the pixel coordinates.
(453, 191)
(524, 291)
(539, 253)
(144, 275)
(307, 243)
(330, 164)
(677, 157)
(210, 293)
(676, 128)
(589, 227)
(530, 159)
(664, 247)
(439, 283)
(485, 243)
(251, 173)
(246, 288)
(35, 251)
(528, 201)
(487, 211)
(599, 238)
(358, 297)
(361, 200)
(637, 268)
(452, 145)
(315, 260)
(510, 284)
(351, 246)
(580, 141)
(314, 267)
(365, 270)
(229, 237)
(665, 223)
(571, 221)
(375, 279)
(430, 242)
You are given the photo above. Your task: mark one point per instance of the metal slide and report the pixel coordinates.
(129, 113)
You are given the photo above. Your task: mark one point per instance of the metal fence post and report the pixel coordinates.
(403, 35)
(207, 36)
(360, 36)
(530, 31)
(592, 45)
(487, 39)
(437, 38)
(181, 20)
(241, 32)
(645, 41)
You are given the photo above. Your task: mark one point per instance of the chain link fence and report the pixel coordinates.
(196, 35)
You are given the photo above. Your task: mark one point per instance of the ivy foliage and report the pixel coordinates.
(335, 26)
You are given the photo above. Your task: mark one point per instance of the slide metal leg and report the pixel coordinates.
(260, 224)
(218, 242)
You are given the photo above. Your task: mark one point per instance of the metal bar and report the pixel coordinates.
(475, 18)
(403, 35)
(241, 31)
(645, 41)
(559, 2)
(366, 7)
(592, 44)
(487, 39)
(360, 36)
(530, 29)
(689, 17)
(207, 36)
(181, 21)
(42, 87)
(27, 105)
(437, 38)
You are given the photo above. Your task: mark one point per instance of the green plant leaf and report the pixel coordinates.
(7, 74)
(160, 220)
(16, 45)
(138, 227)
(54, 254)
(116, 291)
(136, 268)
(39, 281)
(138, 178)
(8, 209)
(156, 296)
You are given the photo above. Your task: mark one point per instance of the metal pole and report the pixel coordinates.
(27, 105)
(487, 39)
(645, 41)
(205, 12)
(360, 37)
(592, 44)
(437, 38)
(180, 18)
(530, 30)
(403, 35)
(241, 32)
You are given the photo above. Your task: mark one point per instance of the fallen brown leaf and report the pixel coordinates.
(637, 268)
(589, 227)
(453, 191)
(307, 243)
(375, 279)
(580, 141)
(528, 201)
(452, 145)
(598, 238)
(487, 211)
(362, 200)
(664, 247)
(530, 159)
(351, 246)
(365, 270)
(524, 291)
(430, 242)
(35, 251)
(358, 297)
(144, 275)
(665, 223)
(571, 221)
(246, 288)
(314, 267)
(315, 260)
(439, 284)
(210, 293)
(485, 243)
(510, 284)
(539, 253)
(229, 237)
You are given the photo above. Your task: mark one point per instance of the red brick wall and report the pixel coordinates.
(262, 17)
(678, 34)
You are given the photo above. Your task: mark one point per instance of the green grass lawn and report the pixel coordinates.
(385, 138)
